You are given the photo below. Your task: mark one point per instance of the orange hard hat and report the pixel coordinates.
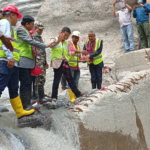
(12, 9)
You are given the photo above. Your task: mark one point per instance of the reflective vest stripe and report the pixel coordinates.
(71, 60)
(15, 50)
(97, 58)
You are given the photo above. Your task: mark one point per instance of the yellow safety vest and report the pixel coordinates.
(74, 60)
(60, 50)
(15, 46)
(25, 49)
(97, 59)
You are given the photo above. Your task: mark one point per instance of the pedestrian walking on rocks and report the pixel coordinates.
(59, 61)
(93, 48)
(126, 27)
(141, 13)
(27, 61)
(41, 63)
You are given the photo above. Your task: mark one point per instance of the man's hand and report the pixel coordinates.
(61, 37)
(7, 43)
(114, 3)
(135, 7)
(47, 66)
(84, 52)
(50, 44)
(88, 57)
(141, 5)
(11, 63)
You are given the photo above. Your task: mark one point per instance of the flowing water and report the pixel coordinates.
(62, 134)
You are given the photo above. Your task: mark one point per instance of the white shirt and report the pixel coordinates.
(124, 16)
(5, 28)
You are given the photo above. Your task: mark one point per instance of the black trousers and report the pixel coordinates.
(25, 79)
(57, 76)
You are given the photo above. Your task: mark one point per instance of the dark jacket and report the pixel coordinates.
(142, 13)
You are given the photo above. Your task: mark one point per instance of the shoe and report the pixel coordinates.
(99, 86)
(42, 98)
(93, 85)
(48, 98)
(18, 108)
(64, 88)
(72, 96)
(26, 101)
(81, 94)
(54, 103)
(29, 107)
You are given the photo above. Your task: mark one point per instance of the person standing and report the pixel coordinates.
(74, 62)
(126, 27)
(27, 61)
(59, 61)
(141, 13)
(41, 63)
(93, 48)
(9, 74)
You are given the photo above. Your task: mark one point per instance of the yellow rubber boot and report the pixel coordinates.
(72, 96)
(18, 108)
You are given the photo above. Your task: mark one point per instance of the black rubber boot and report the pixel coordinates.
(35, 96)
(26, 101)
(81, 94)
(99, 86)
(93, 85)
(42, 98)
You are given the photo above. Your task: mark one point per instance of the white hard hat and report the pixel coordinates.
(76, 33)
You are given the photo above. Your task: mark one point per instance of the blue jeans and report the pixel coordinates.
(96, 73)
(76, 76)
(127, 33)
(9, 77)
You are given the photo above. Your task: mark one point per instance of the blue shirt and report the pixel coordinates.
(142, 13)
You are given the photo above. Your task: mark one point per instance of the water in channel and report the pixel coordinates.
(62, 134)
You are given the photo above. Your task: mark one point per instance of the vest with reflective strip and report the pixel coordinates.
(15, 46)
(74, 60)
(25, 49)
(97, 59)
(60, 50)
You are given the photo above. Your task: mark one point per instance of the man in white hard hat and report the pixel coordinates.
(73, 63)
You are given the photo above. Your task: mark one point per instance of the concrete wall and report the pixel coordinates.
(115, 115)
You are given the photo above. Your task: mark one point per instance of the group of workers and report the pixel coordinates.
(22, 52)
(141, 13)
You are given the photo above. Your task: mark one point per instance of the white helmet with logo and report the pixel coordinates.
(76, 33)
